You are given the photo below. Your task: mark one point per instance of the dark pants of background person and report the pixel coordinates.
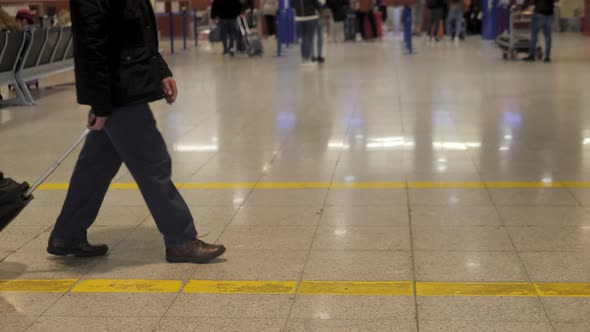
(271, 24)
(306, 30)
(361, 23)
(407, 20)
(541, 22)
(228, 33)
(436, 15)
(130, 136)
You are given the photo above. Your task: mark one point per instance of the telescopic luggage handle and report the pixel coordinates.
(56, 164)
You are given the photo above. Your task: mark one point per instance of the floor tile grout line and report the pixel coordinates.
(315, 232)
(521, 261)
(409, 212)
(413, 255)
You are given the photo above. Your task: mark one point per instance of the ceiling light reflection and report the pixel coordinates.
(340, 232)
(400, 142)
(194, 147)
(338, 145)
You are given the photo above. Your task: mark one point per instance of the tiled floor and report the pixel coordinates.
(459, 161)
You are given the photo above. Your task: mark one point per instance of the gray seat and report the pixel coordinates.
(49, 49)
(2, 42)
(12, 50)
(14, 43)
(51, 59)
(70, 51)
(32, 55)
(62, 44)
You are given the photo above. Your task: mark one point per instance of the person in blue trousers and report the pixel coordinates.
(407, 21)
(321, 27)
(542, 20)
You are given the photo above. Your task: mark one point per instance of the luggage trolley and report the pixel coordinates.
(516, 39)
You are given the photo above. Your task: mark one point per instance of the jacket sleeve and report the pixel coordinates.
(93, 30)
(164, 70)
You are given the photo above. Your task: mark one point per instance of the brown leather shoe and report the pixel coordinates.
(79, 249)
(194, 251)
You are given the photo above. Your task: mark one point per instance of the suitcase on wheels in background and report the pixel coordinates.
(250, 38)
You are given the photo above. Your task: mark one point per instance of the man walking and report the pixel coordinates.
(118, 72)
(542, 19)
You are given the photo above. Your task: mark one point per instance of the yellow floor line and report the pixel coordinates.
(359, 288)
(563, 289)
(30, 285)
(474, 289)
(345, 185)
(127, 286)
(356, 288)
(240, 287)
(216, 185)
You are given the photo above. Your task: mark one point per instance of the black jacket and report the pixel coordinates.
(116, 54)
(339, 9)
(544, 7)
(435, 4)
(305, 7)
(226, 9)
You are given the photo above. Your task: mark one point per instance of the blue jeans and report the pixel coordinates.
(306, 30)
(319, 40)
(228, 34)
(455, 13)
(130, 136)
(544, 22)
(407, 20)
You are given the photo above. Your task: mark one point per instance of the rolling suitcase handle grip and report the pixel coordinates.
(56, 164)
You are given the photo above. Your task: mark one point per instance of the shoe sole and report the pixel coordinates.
(199, 261)
(75, 253)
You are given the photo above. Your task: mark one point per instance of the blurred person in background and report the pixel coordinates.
(226, 12)
(436, 8)
(339, 9)
(542, 20)
(418, 16)
(323, 24)
(307, 17)
(269, 10)
(455, 16)
(25, 18)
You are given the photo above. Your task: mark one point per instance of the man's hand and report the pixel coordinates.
(170, 89)
(97, 123)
